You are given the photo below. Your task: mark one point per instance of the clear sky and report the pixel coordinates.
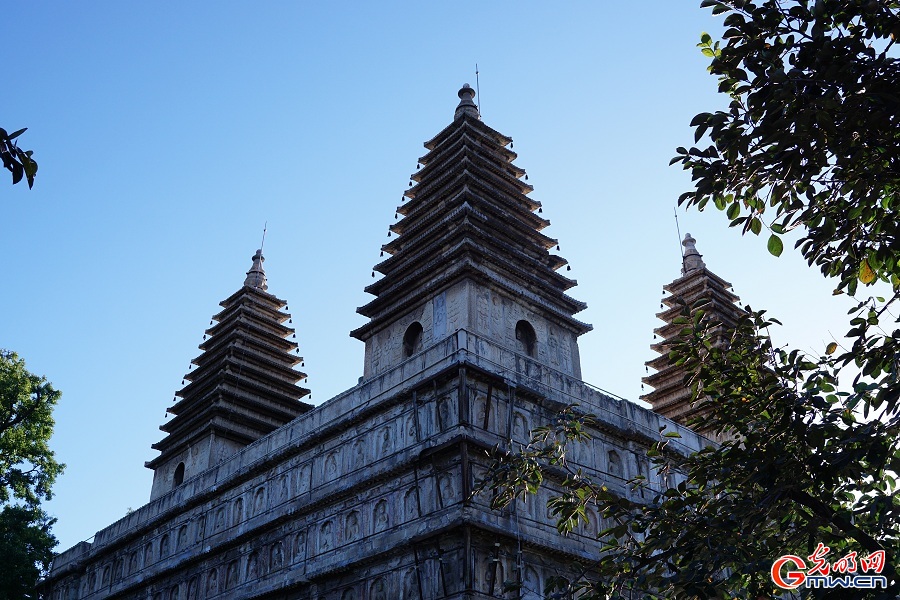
(168, 133)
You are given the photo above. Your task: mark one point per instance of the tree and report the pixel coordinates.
(15, 160)
(28, 469)
(26, 548)
(809, 142)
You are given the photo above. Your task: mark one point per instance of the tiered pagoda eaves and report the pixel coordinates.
(468, 217)
(670, 396)
(244, 386)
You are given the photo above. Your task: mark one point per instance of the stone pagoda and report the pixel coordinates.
(470, 255)
(244, 386)
(697, 284)
(471, 342)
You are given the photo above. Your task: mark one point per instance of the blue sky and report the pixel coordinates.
(167, 133)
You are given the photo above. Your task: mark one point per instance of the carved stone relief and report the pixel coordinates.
(411, 504)
(276, 556)
(378, 590)
(521, 431)
(231, 575)
(380, 516)
(411, 429)
(331, 466)
(446, 489)
(531, 585)
(615, 464)
(326, 537)
(237, 512)
(259, 500)
(444, 413)
(386, 441)
(300, 546)
(410, 585)
(359, 453)
(192, 589)
(302, 476)
(439, 326)
(212, 582)
(351, 526)
(252, 571)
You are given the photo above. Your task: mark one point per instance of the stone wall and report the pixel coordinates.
(369, 495)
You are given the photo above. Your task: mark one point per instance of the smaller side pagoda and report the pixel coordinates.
(671, 397)
(244, 385)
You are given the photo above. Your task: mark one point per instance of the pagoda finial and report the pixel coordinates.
(256, 276)
(466, 103)
(693, 260)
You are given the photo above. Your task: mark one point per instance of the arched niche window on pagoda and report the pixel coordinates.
(412, 339)
(526, 338)
(178, 478)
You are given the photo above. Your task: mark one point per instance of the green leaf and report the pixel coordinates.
(831, 348)
(775, 246)
(734, 210)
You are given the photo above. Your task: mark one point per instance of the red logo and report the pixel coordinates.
(792, 579)
(790, 572)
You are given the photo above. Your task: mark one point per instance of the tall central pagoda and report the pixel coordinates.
(469, 254)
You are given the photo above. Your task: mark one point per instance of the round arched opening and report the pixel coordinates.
(412, 339)
(526, 338)
(178, 478)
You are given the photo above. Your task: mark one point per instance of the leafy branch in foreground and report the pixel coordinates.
(799, 467)
(15, 160)
(812, 131)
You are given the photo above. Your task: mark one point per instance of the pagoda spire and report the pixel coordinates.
(256, 276)
(467, 103)
(244, 385)
(470, 236)
(697, 284)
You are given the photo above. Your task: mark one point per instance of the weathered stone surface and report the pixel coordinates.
(471, 343)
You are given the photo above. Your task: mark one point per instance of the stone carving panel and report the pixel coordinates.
(276, 556)
(380, 516)
(385, 441)
(615, 464)
(439, 316)
(411, 504)
(410, 590)
(300, 546)
(331, 465)
(521, 430)
(252, 571)
(302, 478)
(212, 582)
(410, 430)
(231, 575)
(326, 537)
(351, 526)
(237, 512)
(446, 489)
(379, 589)
(359, 454)
(259, 500)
